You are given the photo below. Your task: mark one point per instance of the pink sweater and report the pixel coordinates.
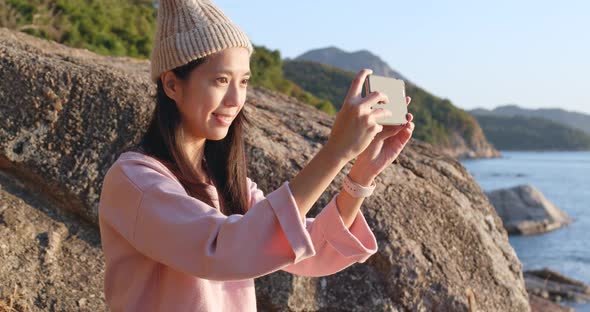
(167, 251)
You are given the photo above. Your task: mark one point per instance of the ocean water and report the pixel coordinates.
(564, 179)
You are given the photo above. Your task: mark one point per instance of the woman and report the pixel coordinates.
(182, 227)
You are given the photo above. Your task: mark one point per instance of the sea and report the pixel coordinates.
(564, 179)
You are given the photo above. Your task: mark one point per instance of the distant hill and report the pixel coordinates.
(437, 120)
(567, 118)
(324, 81)
(267, 71)
(350, 61)
(531, 133)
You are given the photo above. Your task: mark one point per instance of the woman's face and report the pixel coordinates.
(215, 88)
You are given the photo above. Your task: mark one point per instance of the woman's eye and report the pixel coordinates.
(222, 79)
(245, 80)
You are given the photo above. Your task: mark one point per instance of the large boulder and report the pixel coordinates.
(67, 114)
(50, 260)
(525, 210)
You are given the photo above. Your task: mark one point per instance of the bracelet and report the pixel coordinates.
(356, 190)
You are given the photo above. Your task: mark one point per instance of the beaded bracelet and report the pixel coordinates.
(356, 190)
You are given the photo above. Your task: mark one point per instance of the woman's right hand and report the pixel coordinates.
(356, 124)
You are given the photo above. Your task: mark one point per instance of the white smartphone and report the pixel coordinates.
(395, 90)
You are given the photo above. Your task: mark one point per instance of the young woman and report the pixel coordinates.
(182, 226)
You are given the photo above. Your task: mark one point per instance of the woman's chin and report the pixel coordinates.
(217, 135)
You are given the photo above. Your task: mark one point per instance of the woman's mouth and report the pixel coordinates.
(223, 119)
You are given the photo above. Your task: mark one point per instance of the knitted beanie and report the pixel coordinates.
(190, 29)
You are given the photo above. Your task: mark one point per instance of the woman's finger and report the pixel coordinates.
(394, 129)
(357, 84)
(390, 128)
(373, 99)
(405, 137)
(398, 141)
(378, 113)
(389, 131)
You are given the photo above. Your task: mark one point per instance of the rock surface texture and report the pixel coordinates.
(524, 210)
(67, 114)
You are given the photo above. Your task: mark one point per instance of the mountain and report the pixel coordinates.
(531, 133)
(437, 120)
(350, 61)
(567, 118)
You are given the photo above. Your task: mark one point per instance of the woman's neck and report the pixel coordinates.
(195, 150)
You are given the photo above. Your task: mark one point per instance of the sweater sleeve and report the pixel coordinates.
(156, 216)
(337, 247)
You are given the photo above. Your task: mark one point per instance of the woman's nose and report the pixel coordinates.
(233, 97)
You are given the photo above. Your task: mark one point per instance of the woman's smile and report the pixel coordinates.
(223, 119)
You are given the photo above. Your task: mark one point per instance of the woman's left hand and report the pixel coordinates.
(382, 151)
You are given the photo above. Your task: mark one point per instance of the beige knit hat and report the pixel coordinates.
(190, 29)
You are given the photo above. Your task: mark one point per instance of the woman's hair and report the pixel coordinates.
(223, 160)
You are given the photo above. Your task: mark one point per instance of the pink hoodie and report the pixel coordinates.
(167, 251)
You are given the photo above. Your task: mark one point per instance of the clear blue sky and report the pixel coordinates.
(530, 53)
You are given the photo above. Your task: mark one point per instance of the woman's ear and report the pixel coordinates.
(170, 84)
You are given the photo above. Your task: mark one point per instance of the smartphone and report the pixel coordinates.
(395, 89)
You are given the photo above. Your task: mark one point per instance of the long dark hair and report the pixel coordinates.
(223, 160)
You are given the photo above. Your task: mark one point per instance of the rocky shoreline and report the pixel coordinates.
(556, 287)
(441, 243)
(524, 210)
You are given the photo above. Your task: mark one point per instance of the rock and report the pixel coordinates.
(539, 304)
(41, 257)
(64, 108)
(82, 302)
(555, 286)
(441, 244)
(524, 210)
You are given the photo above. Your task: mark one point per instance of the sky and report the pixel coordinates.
(535, 54)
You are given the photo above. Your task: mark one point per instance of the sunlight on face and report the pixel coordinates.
(216, 87)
